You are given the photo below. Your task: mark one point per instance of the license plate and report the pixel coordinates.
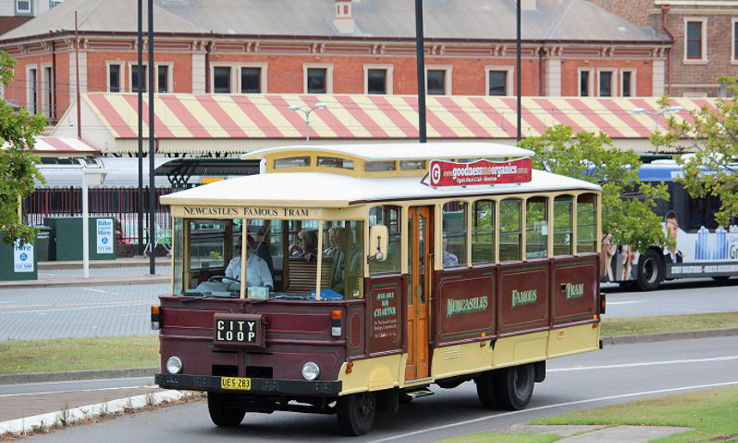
(241, 383)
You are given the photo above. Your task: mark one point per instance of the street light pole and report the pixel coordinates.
(307, 112)
(655, 115)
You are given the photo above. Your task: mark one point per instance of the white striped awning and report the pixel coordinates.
(63, 145)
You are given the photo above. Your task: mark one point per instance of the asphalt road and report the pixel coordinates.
(615, 375)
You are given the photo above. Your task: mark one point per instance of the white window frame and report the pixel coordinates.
(389, 81)
(170, 77)
(733, 58)
(131, 72)
(509, 83)
(328, 73)
(55, 3)
(28, 11)
(632, 82)
(29, 89)
(121, 74)
(448, 81)
(703, 50)
(590, 83)
(262, 79)
(614, 81)
(234, 80)
(47, 88)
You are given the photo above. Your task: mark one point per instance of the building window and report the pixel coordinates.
(134, 78)
(114, 78)
(250, 80)
(48, 92)
(376, 81)
(55, 3)
(23, 7)
(584, 79)
(222, 80)
(694, 40)
(605, 84)
(32, 91)
(317, 80)
(735, 40)
(497, 83)
(627, 83)
(436, 81)
(162, 78)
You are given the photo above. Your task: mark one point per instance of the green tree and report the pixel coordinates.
(711, 167)
(17, 163)
(626, 202)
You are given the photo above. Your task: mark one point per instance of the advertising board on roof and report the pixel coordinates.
(480, 172)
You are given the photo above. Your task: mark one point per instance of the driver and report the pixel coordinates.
(257, 270)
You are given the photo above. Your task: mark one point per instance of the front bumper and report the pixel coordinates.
(259, 386)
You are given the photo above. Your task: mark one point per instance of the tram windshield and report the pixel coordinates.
(284, 259)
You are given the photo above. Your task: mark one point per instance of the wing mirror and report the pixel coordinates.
(377, 243)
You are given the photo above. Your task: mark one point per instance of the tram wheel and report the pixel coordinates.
(650, 271)
(223, 412)
(513, 386)
(486, 390)
(356, 413)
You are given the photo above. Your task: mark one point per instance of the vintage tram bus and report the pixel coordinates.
(371, 272)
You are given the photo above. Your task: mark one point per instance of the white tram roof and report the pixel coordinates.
(330, 190)
(406, 151)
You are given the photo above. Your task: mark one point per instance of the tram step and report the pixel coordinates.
(419, 393)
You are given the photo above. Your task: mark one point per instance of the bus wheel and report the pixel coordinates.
(513, 386)
(486, 390)
(650, 271)
(356, 413)
(222, 410)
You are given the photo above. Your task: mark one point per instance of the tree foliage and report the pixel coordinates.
(17, 163)
(626, 202)
(711, 168)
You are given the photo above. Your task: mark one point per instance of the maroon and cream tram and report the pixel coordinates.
(371, 272)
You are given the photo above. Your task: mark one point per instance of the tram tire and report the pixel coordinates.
(356, 413)
(513, 386)
(721, 278)
(650, 271)
(222, 410)
(486, 390)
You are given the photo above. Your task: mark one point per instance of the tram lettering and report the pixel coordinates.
(385, 311)
(466, 305)
(521, 298)
(575, 290)
(296, 212)
(260, 212)
(193, 210)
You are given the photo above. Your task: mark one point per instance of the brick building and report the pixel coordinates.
(705, 35)
(570, 48)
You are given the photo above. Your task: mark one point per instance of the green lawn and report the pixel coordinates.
(668, 323)
(485, 437)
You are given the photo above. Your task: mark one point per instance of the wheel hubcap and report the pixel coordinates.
(365, 406)
(649, 270)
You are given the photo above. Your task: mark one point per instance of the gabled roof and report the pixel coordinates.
(479, 20)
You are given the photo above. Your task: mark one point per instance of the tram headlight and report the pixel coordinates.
(310, 371)
(174, 365)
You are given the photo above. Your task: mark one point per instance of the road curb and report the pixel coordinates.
(41, 377)
(668, 336)
(131, 280)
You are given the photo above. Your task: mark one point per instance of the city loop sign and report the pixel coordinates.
(480, 172)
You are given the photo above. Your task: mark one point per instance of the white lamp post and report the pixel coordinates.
(307, 112)
(94, 177)
(657, 113)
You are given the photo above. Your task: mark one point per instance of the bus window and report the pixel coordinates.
(563, 214)
(536, 227)
(510, 229)
(390, 217)
(586, 223)
(454, 234)
(178, 236)
(483, 232)
(341, 272)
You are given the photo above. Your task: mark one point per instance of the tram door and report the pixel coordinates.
(418, 292)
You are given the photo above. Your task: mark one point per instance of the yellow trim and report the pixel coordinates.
(372, 374)
(244, 245)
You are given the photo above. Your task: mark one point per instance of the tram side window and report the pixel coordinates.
(390, 217)
(563, 211)
(265, 240)
(536, 227)
(511, 229)
(454, 234)
(178, 236)
(341, 273)
(208, 249)
(483, 232)
(586, 223)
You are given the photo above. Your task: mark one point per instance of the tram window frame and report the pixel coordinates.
(565, 246)
(179, 233)
(503, 232)
(292, 162)
(450, 243)
(343, 265)
(586, 244)
(485, 249)
(380, 165)
(390, 217)
(335, 162)
(536, 228)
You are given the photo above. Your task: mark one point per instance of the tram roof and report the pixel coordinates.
(404, 151)
(326, 190)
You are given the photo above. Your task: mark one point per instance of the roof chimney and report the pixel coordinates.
(344, 22)
(528, 5)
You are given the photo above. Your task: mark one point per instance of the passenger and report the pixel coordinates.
(449, 259)
(335, 242)
(259, 247)
(335, 251)
(257, 271)
(305, 246)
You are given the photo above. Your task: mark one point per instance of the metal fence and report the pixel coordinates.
(120, 204)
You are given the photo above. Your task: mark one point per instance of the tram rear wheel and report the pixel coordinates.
(513, 386)
(223, 411)
(356, 413)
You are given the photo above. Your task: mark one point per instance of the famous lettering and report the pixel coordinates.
(522, 298)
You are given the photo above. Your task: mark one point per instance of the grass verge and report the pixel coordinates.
(486, 437)
(668, 323)
(711, 413)
(76, 354)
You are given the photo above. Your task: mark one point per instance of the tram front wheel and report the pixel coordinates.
(513, 386)
(223, 411)
(486, 390)
(356, 413)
